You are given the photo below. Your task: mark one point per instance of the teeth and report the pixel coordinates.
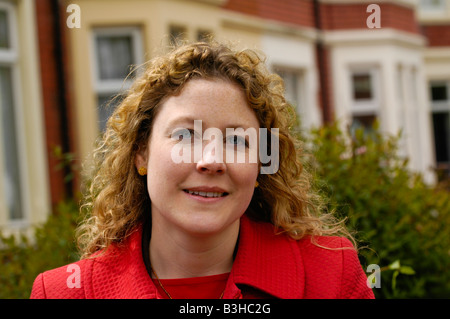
(205, 194)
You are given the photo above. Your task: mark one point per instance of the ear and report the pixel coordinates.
(141, 158)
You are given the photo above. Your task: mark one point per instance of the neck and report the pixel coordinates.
(175, 254)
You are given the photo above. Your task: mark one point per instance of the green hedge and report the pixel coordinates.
(404, 222)
(53, 246)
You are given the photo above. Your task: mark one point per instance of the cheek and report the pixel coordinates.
(245, 176)
(245, 180)
(158, 168)
(163, 174)
(159, 154)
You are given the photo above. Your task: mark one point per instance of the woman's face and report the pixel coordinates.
(205, 195)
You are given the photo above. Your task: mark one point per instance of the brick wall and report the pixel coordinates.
(354, 16)
(333, 16)
(437, 35)
(325, 91)
(300, 12)
(56, 96)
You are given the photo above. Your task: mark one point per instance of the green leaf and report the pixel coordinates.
(394, 279)
(406, 270)
(395, 265)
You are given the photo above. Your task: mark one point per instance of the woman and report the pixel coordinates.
(209, 226)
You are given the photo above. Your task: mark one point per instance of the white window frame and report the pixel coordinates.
(10, 58)
(11, 54)
(103, 87)
(366, 106)
(112, 87)
(441, 106)
(300, 106)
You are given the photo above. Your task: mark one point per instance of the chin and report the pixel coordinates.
(206, 226)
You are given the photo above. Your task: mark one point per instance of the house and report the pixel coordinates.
(62, 62)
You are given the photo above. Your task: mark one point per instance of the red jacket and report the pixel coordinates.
(266, 265)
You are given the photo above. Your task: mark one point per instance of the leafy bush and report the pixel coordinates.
(404, 222)
(52, 246)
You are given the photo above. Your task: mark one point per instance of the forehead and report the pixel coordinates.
(218, 103)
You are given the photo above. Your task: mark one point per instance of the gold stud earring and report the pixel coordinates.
(256, 184)
(142, 171)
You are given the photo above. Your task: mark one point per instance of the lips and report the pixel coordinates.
(206, 192)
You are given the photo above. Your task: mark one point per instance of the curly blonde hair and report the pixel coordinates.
(117, 198)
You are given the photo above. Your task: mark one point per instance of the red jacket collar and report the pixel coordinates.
(269, 262)
(265, 261)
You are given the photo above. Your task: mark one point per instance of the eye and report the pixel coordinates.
(183, 134)
(236, 140)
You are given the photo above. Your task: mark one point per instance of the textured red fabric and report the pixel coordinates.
(208, 287)
(266, 265)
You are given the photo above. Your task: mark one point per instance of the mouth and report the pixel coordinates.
(206, 192)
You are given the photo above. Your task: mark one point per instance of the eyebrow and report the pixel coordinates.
(187, 119)
(181, 120)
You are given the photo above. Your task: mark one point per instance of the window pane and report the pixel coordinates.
(362, 87)
(364, 122)
(441, 126)
(4, 30)
(114, 56)
(106, 106)
(291, 81)
(432, 4)
(177, 33)
(439, 92)
(204, 36)
(11, 173)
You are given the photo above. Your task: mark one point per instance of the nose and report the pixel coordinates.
(211, 161)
